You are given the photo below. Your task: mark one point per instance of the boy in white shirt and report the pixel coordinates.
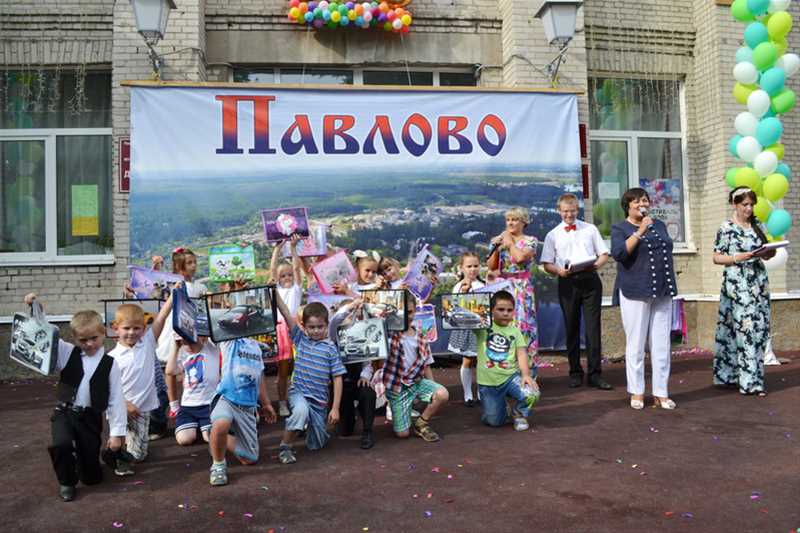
(199, 364)
(135, 354)
(570, 243)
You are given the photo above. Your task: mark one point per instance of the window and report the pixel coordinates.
(334, 76)
(637, 141)
(55, 175)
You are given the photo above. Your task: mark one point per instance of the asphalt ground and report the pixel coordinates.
(720, 462)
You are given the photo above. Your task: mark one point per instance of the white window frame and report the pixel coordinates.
(632, 137)
(358, 73)
(50, 257)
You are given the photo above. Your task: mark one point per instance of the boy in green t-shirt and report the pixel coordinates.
(503, 368)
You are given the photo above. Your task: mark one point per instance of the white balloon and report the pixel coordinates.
(758, 102)
(765, 163)
(746, 124)
(748, 148)
(778, 5)
(745, 73)
(781, 256)
(790, 63)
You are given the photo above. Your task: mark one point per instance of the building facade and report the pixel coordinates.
(656, 106)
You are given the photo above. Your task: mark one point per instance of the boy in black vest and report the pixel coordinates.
(89, 384)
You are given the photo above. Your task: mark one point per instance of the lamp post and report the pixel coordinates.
(151, 22)
(559, 20)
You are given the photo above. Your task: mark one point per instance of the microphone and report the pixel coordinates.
(493, 249)
(643, 212)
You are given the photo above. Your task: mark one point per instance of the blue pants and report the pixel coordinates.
(493, 401)
(308, 413)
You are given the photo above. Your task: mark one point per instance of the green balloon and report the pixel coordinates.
(764, 55)
(740, 12)
(779, 24)
(730, 177)
(747, 177)
(784, 101)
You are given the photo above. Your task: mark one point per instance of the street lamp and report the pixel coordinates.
(559, 20)
(151, 22)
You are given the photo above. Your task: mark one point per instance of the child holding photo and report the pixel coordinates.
(463, 341)
(287, 278)
(389, 271)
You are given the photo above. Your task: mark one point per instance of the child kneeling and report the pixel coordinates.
(407, 376)
(503, 369)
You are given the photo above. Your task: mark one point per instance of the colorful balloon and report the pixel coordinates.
(784, 169)
(762, 209)
(730, 177)
(758, 102)
(748, 148)
(740, 12)
(778, 5)
(755, 34)
(779, 25)
(746, 124)
(777, 149)
(769, 131)
(741, 92)
(772, 80)
(790, 63)
(757, 7)
(775, 187)
(764, 55)
(779, 222)
(746, 177)
(732, 144)
(765, 163)
(784, 101)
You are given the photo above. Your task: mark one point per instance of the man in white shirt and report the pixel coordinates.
(574, 251)
(89, 383)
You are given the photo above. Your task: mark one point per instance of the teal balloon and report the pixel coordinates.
(784, 169)
(779, 222)
(732, 145)
(744, 55)
(755, 34)
(769, 113)
(769, 131)
(757, 7)
(772, 80)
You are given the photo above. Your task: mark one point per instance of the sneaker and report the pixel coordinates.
(283, 409)
(367, 440)
(155, 436)
(66, 493)
(423, 430)
(286, 454)
(219, 475)
(123, 468)
(520, 424)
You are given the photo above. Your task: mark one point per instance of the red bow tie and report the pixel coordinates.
(570, 227)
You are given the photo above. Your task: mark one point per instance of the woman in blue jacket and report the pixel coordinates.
(644, 289)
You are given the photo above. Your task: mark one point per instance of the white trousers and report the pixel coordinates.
(643, 319)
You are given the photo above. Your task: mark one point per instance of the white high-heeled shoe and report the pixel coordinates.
(664, 404)
(637, 404)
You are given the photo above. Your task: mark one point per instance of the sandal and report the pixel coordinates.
(665, 403)
(424, 431)
(637, 404)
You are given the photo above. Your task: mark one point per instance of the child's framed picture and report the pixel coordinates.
(363, 340)
(332, 302)
(241, 313)
(316, 244)
(150, 284)
(388, 305)
(231, 263)
(425, 322)
(421, 272)
(280, 224)
(34, 342)
(184, 315)
(201, 320)
(467, 310)
(150, 306)
(333, 269)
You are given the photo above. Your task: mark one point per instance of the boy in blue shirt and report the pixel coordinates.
(234, 410)
(316, 364)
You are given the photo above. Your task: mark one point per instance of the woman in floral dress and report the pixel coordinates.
(513, 255)
(744, 314)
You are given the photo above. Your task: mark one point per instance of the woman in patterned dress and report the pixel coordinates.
(513, 254)
(744, 314)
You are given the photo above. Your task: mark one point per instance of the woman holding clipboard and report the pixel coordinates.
(744, 314)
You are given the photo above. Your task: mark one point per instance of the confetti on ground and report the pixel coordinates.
(634, 466)
(436, 469)
(653, 430)
(117, 524)
(714, 437)
(428, 514)
(180, 506)
(364, 529)
(755, 495)
(619, 461)
(429, 495)
(460, 466)
(764, 510)
(643, 473)
(138, 482)
(248, 515)
(264, 488)
(669, 514)
(687, 515)
(411, 467)
(788, 435)
(449, 476)
(221, 513)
